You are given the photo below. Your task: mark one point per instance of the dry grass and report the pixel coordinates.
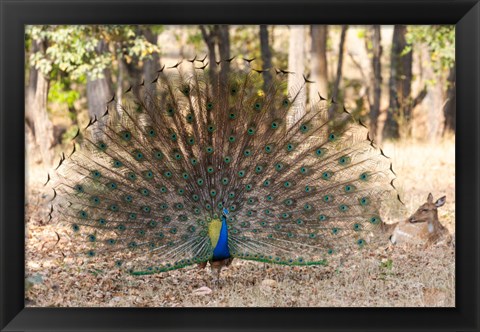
(386, 276)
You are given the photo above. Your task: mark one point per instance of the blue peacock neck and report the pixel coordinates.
(218, 233)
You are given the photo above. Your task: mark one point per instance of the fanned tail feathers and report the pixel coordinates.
(163, 163)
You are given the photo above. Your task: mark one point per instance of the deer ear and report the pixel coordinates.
(440, 201)
(430, 198)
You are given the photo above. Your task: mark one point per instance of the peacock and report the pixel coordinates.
(195, 168)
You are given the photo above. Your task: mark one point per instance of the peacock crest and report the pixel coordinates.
(193, 168)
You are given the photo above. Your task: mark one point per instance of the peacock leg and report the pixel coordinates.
(217, 266)
(201, 265)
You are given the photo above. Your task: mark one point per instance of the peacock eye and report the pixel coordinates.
(186, 90)
(102, 146)
(126, 135)
(170, 111)
(211, 128)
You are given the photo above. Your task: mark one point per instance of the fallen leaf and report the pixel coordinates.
(204, 290)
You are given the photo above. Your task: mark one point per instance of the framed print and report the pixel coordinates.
(303, 164)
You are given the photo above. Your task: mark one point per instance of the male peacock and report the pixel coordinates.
(188, 171)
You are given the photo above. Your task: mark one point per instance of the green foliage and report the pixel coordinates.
(74, 49)
(195, 38)
(362, 33)
(156, 29)
(386, 269)
(246, 40)
(60, 93)
(387, 265)
(440, 41)
(68, 54)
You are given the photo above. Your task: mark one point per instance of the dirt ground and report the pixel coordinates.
(387, 276)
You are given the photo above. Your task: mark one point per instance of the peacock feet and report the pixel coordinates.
(216, 268)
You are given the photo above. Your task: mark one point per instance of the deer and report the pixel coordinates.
(422, 227)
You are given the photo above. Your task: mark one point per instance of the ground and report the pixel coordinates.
(385, 276)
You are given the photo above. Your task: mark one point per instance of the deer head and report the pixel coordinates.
(427, 212)
(423, 226)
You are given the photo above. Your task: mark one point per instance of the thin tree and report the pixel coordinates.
(319, 65)
(391, 129)
(209, 35)
(151, 65)
(296, 65)
(377, 80)
(40, 128)
(266, 56)
(338, 78)
(99, 92)
(401, 103)
(449, 109)
(223, 32)
(217, 37)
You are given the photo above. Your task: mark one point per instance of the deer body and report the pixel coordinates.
(422, 227)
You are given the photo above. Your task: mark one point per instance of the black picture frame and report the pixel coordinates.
(465, 14)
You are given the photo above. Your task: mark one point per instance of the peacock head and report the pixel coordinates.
(225, 213)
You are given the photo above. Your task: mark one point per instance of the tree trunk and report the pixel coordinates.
(296, 64)
(449, 109)
(434, 100)
(120, 88)
(224, 50)
(338, 78)
(435, 112)
(150, 65)
(99, 92)
(319, 70)
(209, 36)
(41, 128)
(266, 56)
(405, 86)
(377, 80)
(390, 128)
(400, 104)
